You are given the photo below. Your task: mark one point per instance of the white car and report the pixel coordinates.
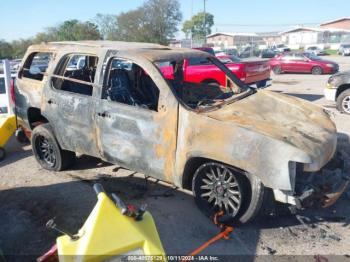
(282, 48)
(315, 50)
(344, 49)
(4, 95)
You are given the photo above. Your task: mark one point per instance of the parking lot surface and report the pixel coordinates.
(30, 196)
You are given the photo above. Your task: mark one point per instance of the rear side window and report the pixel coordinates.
(2, 86)
(36, 65)
(195, 61)
(76, 74)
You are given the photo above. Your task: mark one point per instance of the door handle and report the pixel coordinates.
(104, 114)
(51, 102)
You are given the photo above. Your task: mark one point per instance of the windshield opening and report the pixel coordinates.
(189, 79)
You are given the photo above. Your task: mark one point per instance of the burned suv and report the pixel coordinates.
(131, 104)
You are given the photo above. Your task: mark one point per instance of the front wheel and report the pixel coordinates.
(343, 102)
(277, 70)
(316, 70)
(218, 187)
(47, 151)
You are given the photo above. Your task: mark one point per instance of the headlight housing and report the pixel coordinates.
(333, 81)
(292, 173)
(329, 65)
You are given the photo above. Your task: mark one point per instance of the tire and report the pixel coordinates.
(316, 70)
(277, 70)
(343, 102)
(211, 82)
(211, 197)
(47, 151)
(2, 154)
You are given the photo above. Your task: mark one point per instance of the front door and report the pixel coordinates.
(68, 103)
(137, 118)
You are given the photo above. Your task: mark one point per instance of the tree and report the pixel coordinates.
(163, 16)
(155, 21)
(19, 47)
(107, 25)
(74, 30)
(197, 27)
(5, 50)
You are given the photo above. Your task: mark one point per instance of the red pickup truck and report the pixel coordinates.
(255, 73)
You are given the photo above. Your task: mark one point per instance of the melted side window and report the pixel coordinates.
(128, 83)
(36, 65)
(75, 73)
(197, 95)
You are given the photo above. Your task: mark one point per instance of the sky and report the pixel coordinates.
(25, 18)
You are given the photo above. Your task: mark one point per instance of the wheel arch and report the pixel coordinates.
(193, 164)
(210, 80)
(341, 89)
(35, 117)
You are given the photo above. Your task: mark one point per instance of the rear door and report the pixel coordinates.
(31, 79)
(68, 102)
(198, 70)
(136, 118)
(301, 64)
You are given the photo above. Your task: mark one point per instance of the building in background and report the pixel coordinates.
(341, 23)
(234, 40)
(271, 38)
(302, 37)
(327, 35)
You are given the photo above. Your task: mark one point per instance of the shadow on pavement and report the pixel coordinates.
(15, 152)
(182, 227)
(309, 97)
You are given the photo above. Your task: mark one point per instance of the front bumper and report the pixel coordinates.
(322, 188)
(330, 94)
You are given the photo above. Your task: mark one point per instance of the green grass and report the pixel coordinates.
(331, 52)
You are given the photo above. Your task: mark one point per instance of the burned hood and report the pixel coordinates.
(287, 119)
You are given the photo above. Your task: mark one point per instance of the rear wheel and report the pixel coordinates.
(218, 187)
(47, 150)
(211, 82)
(343, 102)
(277, 70)
(316, 70)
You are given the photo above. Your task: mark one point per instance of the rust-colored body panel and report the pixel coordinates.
(259, 134)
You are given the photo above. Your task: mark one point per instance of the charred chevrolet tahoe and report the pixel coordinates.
(130, 104)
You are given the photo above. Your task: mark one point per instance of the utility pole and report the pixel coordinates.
(205, 23)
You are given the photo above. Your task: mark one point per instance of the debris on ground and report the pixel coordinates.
(270, 250)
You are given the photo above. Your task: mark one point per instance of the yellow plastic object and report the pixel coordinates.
(108, 235)
(7, 128)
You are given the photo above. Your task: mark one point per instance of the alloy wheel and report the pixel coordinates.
(220, 188)
(346, 104)
(46, 151)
